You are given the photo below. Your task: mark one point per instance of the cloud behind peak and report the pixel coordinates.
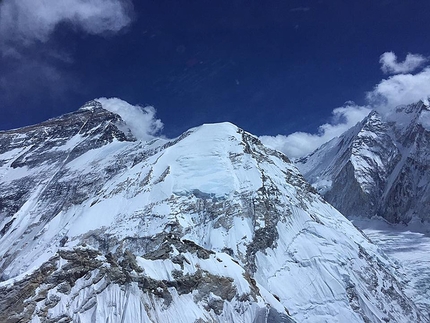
(400, 89)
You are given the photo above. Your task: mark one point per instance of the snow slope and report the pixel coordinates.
(409, 246)
(98, 226)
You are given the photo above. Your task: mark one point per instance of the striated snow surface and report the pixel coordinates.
(97, 226)
(409, 246)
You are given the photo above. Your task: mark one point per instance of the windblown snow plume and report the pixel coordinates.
(140, 120)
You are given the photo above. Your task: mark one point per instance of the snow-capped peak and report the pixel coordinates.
(140, 120)
(380, 168)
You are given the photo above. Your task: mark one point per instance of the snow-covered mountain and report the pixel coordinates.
(379, 167)
(96, 226)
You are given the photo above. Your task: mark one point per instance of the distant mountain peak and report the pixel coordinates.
(91, 105)
(378, 168)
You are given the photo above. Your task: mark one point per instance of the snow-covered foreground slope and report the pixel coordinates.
(211, 226)
(409, 246)
(379, 167)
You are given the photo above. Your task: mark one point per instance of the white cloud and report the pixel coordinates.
(140, 120)
(391, 66)
(26, 21)
(400, 89)
(300, 144)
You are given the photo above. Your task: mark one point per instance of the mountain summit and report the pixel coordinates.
(379, 167)
(98, 226)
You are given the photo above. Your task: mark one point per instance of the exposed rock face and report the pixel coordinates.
(379, 167)
(209, 227)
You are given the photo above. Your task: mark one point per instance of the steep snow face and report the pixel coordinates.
(379, 167)
(97, 226)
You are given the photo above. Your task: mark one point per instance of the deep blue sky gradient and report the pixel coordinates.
(271, 67)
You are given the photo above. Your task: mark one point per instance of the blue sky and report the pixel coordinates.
(271, 67)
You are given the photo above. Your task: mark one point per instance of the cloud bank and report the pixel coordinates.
(24, 22)
(400, 89)
(389, 64)
(140, 120)
(300, 144)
